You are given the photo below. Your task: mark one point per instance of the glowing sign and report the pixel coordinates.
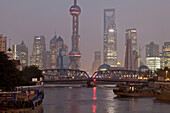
(111, 30)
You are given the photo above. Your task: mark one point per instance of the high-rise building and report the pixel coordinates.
(47, 60)
(165, 58)
(129, 57)
(152, 56)
(152, 50)
(20, 52)
(133, 35)
(153, 62)
(55, 45)
(97, 61)
(3, 43)
(110, 38)
(75, 54)
(39, 49)
(62, 59)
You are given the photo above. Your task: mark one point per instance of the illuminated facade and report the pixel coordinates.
(21, 53)
(3, 43)
(165, 59)
(97, 61)
(153, 63)
(47, 60)
(110, 38)
(39, 49)
(133, 35)
(55, 45)
(75, 54)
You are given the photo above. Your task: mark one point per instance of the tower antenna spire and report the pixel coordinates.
(75, 2)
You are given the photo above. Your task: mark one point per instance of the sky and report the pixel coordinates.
(24, 19)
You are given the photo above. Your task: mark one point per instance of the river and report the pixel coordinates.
(97, 100)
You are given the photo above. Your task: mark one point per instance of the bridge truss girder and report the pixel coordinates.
(64, 74)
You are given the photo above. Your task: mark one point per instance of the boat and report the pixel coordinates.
(133, 90)
(163, 93)
(27, 99)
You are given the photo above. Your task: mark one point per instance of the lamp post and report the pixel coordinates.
(166, 74)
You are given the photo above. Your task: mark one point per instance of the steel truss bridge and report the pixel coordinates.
(102, 77)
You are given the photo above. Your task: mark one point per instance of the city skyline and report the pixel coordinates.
(29, 18)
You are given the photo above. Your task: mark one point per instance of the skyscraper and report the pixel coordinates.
(55, 45)
(129, 57)
(3, 43)
(75, 54)
(39, 49)
(152, 56)
(110, 38)
(21, 53)
(152, 49)
(131, 33)
(97, 61)
(62, 59)
(165, 59)
(47, 60)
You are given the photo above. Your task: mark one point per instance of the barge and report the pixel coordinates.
(134, 91)
(25, 99)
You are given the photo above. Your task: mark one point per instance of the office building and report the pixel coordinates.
(20, 52)
(3, 43)
(38, 54)
(55, 45)
(97, 61)
(165, 58)
(132, 33)
(110, 38)
(62, 59)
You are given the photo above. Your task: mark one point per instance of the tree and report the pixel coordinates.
(9, 75)
(30, 72)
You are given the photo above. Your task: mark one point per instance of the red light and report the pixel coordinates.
(94, 80)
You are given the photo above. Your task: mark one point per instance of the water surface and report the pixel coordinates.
(98, 100)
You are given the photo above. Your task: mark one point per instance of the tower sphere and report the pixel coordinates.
(75, 10)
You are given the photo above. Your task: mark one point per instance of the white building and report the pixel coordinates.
(153, 63)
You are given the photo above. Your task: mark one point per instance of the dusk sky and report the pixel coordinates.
(23, 19)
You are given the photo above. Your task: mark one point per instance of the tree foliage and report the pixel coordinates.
(30, 72)
(10, 76)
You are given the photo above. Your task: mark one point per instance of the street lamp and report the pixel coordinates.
(166, 71)
(166, 74)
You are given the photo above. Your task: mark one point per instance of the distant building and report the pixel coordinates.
(10, 57)
(165, 58)
(3, 43)
(110, 38)
(9, 54)
(55, 45)
(152, 56)
(152, 50)
(62, 59)
(97, 61)
(129, 56)
(30, 61)
(132, 33)
(20, 52)
(47, 60)
(39, 49)
(153, 63)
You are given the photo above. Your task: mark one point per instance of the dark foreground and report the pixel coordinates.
(98, 100)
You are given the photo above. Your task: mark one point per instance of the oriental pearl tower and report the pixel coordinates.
(75, 54)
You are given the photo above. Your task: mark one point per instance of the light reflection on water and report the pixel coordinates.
(97, 100)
